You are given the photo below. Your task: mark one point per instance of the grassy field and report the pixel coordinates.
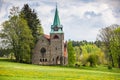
(18, 71)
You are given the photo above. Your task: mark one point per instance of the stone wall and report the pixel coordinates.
(39, 57)
(50, 52)
(57, 47)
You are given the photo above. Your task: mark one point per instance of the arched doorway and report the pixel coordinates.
(58, 60)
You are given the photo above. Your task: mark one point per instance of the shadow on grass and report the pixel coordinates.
(3, 59)
(6, 59)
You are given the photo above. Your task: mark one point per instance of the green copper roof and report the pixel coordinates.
(56, 18)
(56, 27)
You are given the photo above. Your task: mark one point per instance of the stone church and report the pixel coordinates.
(51, 49)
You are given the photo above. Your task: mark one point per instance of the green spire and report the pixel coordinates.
(56, 18)
(56, 27)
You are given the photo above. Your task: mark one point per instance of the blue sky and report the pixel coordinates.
(81, 19)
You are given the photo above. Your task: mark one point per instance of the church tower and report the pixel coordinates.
(57, 41)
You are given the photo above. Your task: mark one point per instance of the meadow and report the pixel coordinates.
(19, 71)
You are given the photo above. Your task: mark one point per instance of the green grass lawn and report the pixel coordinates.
(18, 71)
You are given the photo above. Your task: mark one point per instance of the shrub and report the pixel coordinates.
(109, 66)
(93, 59)
(77, 65)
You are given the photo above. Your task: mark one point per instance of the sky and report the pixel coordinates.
(81, 19)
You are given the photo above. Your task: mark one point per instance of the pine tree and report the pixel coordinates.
(32, 19)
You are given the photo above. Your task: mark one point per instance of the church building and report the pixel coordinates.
(51, 49)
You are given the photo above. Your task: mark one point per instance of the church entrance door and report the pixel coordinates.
(58, 60)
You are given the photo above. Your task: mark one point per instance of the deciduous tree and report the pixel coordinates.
(17, 35)
(115, 47)
(91, 53)
(71, 54)
(106, 36)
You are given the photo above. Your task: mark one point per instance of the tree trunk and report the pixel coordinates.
(111, 60)
(91, 64)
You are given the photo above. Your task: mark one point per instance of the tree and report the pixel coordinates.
(78, 52)
(93, 59)
(32, 20)
(17, 35)
(106, 36)
(71, 54)
(98, 43)
(4, 52)
(115, 47)
(91, 53)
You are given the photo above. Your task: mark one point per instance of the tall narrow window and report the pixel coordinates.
(53, 59)
(45, 60)
(40, 60)
(43, 51)
(55, 48)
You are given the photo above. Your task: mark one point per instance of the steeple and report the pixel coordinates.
(56, 18)
(56, 27)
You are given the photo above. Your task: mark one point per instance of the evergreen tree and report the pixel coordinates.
(32, 20)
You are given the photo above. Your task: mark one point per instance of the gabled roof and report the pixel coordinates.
(47, 36)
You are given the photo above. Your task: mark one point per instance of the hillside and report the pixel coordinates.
(17, 71)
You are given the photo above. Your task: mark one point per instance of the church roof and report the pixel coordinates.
(56, 18)
(47, 36)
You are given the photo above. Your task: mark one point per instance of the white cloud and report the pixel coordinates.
(108, 17)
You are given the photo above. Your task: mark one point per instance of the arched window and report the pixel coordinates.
(56, 37)
(40, 60)
(45, 60)
(53, 59)
(43, 50)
